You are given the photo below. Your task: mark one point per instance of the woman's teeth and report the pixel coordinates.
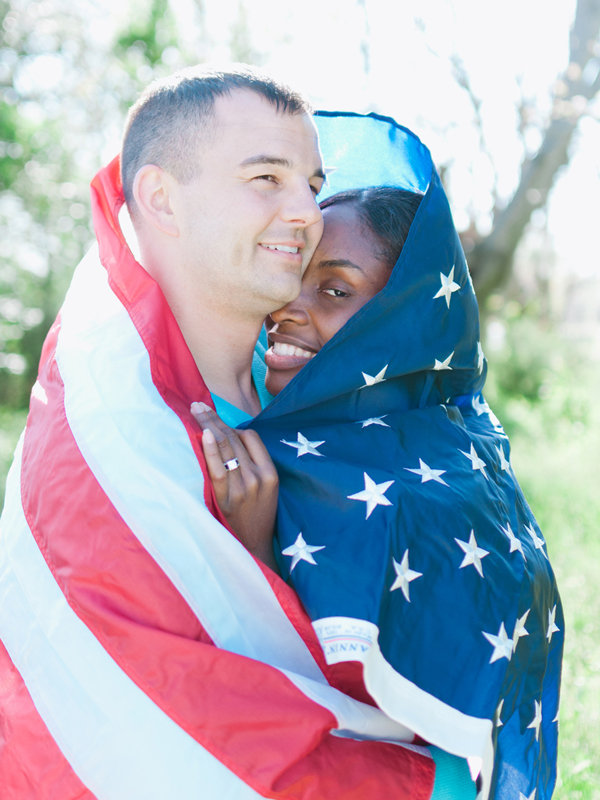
(283, 349)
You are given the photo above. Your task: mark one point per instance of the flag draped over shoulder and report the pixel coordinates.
(144, 653)
(401, 524)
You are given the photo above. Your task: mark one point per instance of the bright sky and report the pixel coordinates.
(318, 46)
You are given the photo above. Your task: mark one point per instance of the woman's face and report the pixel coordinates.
(346, 270)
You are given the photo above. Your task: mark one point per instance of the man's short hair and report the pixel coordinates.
(164, 126)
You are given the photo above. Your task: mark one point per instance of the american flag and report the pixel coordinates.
(401, 524)
(144, 653)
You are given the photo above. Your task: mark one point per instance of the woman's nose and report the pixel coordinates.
(294, 312)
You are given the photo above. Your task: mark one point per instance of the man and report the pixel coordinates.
(145, 653)
(226, 236)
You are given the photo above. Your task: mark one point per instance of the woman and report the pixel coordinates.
(363, 236)
(400, 523)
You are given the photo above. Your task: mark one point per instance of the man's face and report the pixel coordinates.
(249, 222)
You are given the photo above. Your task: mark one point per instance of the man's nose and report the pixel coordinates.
(301, 207)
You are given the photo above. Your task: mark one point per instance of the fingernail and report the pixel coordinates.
(199, 408)
(208, 436)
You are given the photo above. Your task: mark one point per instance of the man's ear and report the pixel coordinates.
(151, 191)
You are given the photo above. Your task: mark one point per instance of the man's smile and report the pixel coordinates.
(282, 248)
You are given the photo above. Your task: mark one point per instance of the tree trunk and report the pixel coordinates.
(491, 258)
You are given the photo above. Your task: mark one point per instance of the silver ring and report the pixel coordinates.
(232, 464)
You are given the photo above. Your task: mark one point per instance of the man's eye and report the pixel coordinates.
(318, 186)
(333, 292)
(268, 178)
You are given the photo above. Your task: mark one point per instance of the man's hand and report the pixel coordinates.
(246, 494)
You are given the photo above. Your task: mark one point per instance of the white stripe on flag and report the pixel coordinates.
(140, 454)
(446, 727)
(138, 450)
(119, 743)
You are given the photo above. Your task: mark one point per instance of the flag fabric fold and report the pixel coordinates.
(401, 524)
(144, 652)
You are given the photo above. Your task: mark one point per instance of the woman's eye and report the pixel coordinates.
(332, 292)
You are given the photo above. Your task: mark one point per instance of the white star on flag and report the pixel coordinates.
(366, 423)
(527, 797)
(502, 644)
(304, 446)
(371, 380)
(373, 494)
(515, 543)
(537, 720)
(473, 554)
(300, 551)
(504, 463)
(499, 722)
(476, 462)
(538, 542)
(445, 364)
(552, 626)
(448, 286)
(479, 405)
(404, 575)
(480, 357)
(428, 474)
(496, 424)
(520, 629)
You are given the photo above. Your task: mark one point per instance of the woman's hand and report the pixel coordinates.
(244, 479)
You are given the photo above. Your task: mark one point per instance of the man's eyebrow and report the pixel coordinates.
(332, 263)
(264, 158)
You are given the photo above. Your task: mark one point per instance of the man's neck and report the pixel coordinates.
(223, 353)
(221, 343)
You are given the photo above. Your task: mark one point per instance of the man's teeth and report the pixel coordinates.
(282, 247)
(282, 349)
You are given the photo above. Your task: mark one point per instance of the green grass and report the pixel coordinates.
(546, 394)
(559, 477)
(555, 446)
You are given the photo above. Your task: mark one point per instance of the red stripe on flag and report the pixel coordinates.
(247, 714)
(173, 369)
(31, 765)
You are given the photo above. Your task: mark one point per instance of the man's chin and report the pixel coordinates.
(286, 291)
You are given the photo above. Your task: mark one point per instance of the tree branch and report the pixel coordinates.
(491, 258)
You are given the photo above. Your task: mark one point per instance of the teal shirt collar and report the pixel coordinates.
(234, 416)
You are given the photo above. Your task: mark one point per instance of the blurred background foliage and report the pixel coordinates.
(69, 72)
